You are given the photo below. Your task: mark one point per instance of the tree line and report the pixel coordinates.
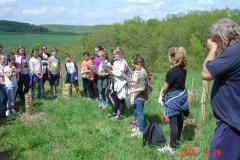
(152, 38)
(12, 26)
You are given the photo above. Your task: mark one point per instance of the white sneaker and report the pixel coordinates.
(137, 133)
(12, 111)
(7, 113)
(104, 106)
(167, 149)
(135, 129)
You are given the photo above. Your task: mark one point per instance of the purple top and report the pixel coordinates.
(96, 61)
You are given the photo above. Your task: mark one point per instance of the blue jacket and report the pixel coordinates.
(176, 102)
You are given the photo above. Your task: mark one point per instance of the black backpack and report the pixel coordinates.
(153, 135)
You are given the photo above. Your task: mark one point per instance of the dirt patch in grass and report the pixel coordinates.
(40, 116)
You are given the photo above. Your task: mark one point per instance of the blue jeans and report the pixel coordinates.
(104, 97)
(4, 97)
(23, 80)
(11, 94)
(38, 82)
(138, 113)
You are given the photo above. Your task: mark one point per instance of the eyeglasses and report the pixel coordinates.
(44, 48)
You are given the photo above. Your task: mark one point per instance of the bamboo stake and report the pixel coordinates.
(192, 83)
(28, 104)
(66, 90)
(192, 94)
(204, 99)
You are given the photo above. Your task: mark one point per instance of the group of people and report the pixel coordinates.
(108, 84)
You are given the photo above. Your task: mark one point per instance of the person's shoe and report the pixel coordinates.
(120, 117)
(133, 122)
(104, 106)
(53, 98)
(112, 115)
(165, 119)
(12, 111)
(15, 106)
(137, 133)
(167, 149)
(7, 113)
(135, 130)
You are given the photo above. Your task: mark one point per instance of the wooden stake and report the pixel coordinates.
(204, 99)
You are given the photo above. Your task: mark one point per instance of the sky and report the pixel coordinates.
(97, 12)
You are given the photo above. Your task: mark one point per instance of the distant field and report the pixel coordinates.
(72, 28)
(27, 40)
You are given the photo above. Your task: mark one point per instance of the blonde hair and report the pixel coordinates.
(180, 56)
(103, 53)
(118, 50)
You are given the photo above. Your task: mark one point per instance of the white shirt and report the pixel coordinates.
(70, 67)
(35, 65)
(135, 75)
(100, 69)
(13, 80)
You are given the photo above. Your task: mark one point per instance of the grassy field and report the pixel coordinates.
(15, 39)
(78, 129)
(77, 29)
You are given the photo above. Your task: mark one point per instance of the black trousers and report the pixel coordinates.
(87, 88)
(176, 126)
(118, 104)
(94, 87)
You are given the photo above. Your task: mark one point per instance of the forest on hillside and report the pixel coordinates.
(12, 26)
(153, 38)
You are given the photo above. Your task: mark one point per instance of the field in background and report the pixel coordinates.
(8, 39)
(74, 29)
(78, 129)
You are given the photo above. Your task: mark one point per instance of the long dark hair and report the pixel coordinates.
(138, 59)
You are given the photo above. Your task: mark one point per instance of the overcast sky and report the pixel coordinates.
(94, 12)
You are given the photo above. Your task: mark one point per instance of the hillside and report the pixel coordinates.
(12, 26)
(77, 29)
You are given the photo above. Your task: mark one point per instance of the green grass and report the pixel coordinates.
(78, 129)
(16, 39)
